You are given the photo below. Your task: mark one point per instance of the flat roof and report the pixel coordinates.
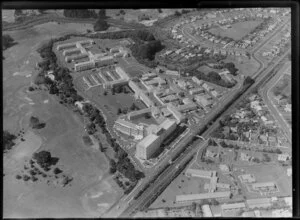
(263, 184)
(166, 124)
(127, 123)
(205, 173)
(258, 201)
(191, 197)
(148, 140)
(233, 205)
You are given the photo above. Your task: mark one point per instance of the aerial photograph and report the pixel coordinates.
(147, 113)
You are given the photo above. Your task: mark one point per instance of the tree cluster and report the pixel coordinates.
(80, 13)
(101, 25)
(231, 68)
(212, 78)
(35, 123)
(7, 41)
(45, 160)
(8, 141)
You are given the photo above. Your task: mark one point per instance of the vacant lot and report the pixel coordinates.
(237, 30)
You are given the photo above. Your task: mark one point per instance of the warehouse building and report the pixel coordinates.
(196, 197)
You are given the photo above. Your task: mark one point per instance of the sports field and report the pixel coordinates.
(237, 30)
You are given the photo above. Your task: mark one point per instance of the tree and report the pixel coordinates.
(122, 12)
(57, 171)
(91, 128)
(102, 13)
(159, 10)
(133, 107)
(177, 13)
(41, 11)
(7, 41)
(8, 140)
(101, 25)
(18, 12)
(119, 111)
(35, 123)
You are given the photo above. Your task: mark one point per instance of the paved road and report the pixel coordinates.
(274, 111)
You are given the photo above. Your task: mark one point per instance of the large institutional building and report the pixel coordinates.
(129, 128)
(77, 50)
(156, 135)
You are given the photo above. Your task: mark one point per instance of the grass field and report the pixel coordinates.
(62, 136)
(237, 31)
(283, 86)
(266, 173)
(244, 65)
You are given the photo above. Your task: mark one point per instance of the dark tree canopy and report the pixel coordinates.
(80, 13)
(101, 25)
(8, 140)
(7, 41)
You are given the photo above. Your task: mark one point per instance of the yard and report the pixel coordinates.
(237, 31)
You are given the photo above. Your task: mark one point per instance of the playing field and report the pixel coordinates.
(237, 30)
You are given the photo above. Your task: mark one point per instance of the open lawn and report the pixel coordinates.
(62, 136)
(267, 173)
(237, 31)
(244, 65)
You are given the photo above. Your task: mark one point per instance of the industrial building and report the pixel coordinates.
(130, 129)
(195, 197)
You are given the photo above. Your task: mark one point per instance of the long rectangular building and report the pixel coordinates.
(232, 206)
(199, 173)
(259, 203)
(195, 197)
(179, 117)
(139, 113)
(84, 66)
(129, 128)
